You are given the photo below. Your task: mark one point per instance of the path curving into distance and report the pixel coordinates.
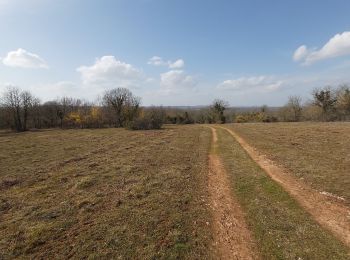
(333, 216)
(232, 238)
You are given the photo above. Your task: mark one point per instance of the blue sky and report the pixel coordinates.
(175, 52)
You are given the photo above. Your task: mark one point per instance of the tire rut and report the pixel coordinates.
(232, 238)
(331, 215)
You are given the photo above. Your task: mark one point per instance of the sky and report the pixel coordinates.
(176, 53)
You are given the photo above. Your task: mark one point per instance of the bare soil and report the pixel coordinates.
(330, 214)
(232, 238)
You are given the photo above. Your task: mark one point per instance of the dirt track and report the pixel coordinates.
(232, 239)
(332, 215)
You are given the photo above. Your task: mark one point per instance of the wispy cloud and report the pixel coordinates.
(255, 83)
(177, 64)
(159, 61)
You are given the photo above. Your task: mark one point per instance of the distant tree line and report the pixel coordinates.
(214, 114)
(21, 110)
(327, 104)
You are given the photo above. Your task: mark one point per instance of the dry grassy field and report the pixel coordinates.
(108, 193)
(319, 153)
(183, 192)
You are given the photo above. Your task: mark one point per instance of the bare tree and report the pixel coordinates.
(12, 102)
(131, 108)
(343, 101)
(49, 113)
(326, 100)
(19, 104)
(218, 108)
(123, 103)
(294, 107)
(65, 105)
(27, 100)
(36, 114)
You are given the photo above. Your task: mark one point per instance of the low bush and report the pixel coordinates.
(152, 118)
(143, 124)
(255, 117)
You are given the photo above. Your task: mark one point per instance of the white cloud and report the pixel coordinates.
(159, 61)
(300, 53)
(338, 45)
(177, 64)
(24, 59)
(176, 80)
(109, 71)
(259, 84)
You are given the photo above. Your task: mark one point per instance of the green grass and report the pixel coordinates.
(319, 153)
(282, 229)
(106, 193)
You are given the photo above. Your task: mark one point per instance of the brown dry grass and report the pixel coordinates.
(106, 193)
(317, 153)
